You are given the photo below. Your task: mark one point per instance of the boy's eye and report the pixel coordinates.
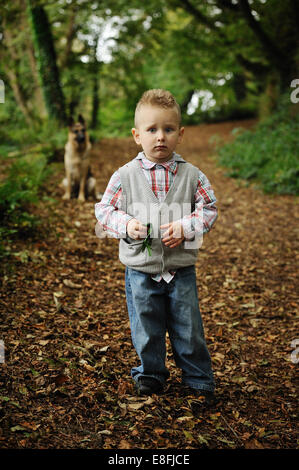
(168, 129)
(152, 130)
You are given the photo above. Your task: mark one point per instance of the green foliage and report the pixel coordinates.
(241, 59)
(17, 193)
(267, 155)
(16, 136)
(115, 118)
(180, 46)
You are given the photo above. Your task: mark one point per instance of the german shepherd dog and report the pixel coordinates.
(79, 181)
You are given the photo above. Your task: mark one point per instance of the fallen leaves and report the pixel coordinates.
(134, 404)
(123, 444)
(60, 379)
(71, 284)
(106, 432)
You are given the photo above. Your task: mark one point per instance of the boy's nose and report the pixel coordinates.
(161, 136)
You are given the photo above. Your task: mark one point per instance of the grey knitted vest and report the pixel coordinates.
(140, 202)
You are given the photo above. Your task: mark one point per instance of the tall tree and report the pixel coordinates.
(12, 56)
(270, 27)
(11, 69)
(95, 76)
(46, 59)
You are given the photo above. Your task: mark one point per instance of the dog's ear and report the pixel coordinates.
(70, 121)
(81, 119)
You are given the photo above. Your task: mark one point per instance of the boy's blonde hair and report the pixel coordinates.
(158, 97)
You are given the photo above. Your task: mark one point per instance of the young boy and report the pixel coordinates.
(159, 188)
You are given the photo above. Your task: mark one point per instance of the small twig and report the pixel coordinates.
(233, 431)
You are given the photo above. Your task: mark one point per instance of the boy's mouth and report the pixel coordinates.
(160, 147)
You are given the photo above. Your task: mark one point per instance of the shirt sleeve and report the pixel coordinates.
(108, 211)
(203, 217)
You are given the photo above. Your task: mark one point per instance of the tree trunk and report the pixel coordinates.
(39, 101)
(70, 35)
(96, 65)
(276, 56)
(18, 94)
(239, 86)
(186, 101)
(269, 98)
(10, 67)
(46, 60)
(95, 103)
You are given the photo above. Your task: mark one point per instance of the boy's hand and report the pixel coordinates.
(174, 235)
(136, 229)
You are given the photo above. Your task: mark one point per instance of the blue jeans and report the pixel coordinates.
(157, 307)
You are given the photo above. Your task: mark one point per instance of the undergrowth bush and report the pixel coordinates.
(49, 134)
(268, 154)
(17, 192)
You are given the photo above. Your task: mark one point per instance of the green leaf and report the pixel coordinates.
(201, 439)
(4, 398)
(188, 435)
(147, 242)
(17, 428)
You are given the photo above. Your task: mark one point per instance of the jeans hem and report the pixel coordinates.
(152, 376)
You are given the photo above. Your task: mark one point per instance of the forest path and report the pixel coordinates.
(66, 377)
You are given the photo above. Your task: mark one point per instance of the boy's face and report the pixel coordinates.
(158, 132)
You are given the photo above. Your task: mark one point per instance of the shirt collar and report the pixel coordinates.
(170, 165)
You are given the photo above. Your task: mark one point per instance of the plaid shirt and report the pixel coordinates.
(160, 177)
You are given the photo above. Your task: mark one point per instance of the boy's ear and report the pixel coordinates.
(181, 133)
(135, 134)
